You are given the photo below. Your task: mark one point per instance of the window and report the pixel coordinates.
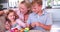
(13, 3)
(53, 3)
(56, 2)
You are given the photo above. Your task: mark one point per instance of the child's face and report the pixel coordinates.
(7, 25)
(23, 8)
(36, 8)
(11, 16)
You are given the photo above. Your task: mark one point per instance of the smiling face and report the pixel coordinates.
(23, 8)
(36, 8)
(11, 16)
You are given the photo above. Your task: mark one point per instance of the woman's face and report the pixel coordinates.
(7, 25)
(23, 8)
(11, 16)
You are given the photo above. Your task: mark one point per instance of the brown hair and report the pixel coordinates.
(9, 11)
(39, 2)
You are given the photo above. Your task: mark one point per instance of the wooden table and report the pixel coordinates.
(35, 31)
(38, 31)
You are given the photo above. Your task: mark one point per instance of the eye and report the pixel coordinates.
(34, 8)
(21, 8)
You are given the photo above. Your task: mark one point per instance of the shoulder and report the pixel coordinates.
(18, 20)
(48, 14)
(31, 15)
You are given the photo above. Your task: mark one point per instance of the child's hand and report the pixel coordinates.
(38, 24)
(33, 24)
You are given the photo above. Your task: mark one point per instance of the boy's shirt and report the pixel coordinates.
(45, 18)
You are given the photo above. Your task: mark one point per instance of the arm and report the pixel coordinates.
(1, 12)
(29, 23)
(47, 25)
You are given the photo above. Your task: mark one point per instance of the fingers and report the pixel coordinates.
(33, 24)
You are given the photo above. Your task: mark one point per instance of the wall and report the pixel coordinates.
(55, 14)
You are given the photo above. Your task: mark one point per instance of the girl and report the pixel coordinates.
(7, 26)
(12, 17)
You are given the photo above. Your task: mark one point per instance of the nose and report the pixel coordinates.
(12, 16)
(33, 8)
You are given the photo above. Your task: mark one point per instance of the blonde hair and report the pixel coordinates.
(28, 5)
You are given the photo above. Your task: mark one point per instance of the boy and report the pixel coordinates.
(39, 19)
